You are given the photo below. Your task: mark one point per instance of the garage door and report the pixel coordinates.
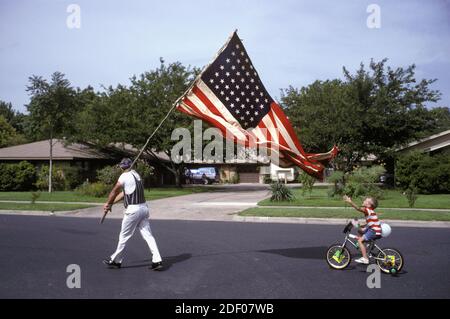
(248, 177)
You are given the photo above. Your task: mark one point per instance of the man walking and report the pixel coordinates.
(131, 189)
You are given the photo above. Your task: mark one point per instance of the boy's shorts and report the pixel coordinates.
(369, 234)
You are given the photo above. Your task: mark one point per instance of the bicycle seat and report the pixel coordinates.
(373, 240)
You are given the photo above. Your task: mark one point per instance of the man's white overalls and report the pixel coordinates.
(135, 216)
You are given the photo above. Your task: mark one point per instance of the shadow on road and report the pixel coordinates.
(167, 261)
(301, 252)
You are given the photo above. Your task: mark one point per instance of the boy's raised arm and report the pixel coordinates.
(349, 200)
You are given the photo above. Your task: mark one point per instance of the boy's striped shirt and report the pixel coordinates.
(372, 221)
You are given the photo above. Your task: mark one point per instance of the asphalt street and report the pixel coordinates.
(208, 259)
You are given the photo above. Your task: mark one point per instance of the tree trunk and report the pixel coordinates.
(51, 165)
(177, 179)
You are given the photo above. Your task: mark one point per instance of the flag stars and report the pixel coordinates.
(235, 82)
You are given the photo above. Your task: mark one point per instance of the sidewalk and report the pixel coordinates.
(223, 205)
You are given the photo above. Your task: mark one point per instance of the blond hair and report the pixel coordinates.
(374, 202)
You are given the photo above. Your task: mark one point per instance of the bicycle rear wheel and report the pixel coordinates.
(390, 259)
(338, 257)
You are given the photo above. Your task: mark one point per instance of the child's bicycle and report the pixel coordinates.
(389, 260)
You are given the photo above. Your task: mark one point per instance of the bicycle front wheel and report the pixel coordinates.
(338, 257)
(390, 259)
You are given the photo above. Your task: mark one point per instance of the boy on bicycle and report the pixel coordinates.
(372, 229)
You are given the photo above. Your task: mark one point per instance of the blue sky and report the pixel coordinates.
(291, 42)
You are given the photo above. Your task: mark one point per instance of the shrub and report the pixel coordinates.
(97, 189)
(35, 196)
(63, 177)
(72, 177)
(360, 182)
(145, 170)
(17, 177)
(428, 174)
(307, 183)
(411, 196)
(267, 179)
(108, 175)
(337, 179)
(280, 193)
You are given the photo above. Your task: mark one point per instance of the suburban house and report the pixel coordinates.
(87, 158)
(434, 144)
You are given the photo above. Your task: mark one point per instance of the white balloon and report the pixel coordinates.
(385, 230)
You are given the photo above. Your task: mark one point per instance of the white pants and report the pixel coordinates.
(136, 216)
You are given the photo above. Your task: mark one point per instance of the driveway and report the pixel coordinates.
(219, 205)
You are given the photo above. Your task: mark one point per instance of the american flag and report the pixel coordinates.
(229, 95)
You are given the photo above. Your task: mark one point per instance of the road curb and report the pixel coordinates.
(336, 221)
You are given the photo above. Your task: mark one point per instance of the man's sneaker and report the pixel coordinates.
(156, 266)
(362, 260)
(111, 264)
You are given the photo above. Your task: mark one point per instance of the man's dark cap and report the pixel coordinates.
(125, 163)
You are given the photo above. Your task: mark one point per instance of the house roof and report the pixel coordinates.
(430, 143)
(40, 151)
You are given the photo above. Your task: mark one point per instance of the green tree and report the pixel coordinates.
(52, 107)
(13, 117)
(8, 134)
(424, 173)
(370, 112)
(130, 114)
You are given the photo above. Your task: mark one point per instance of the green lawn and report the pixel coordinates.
(345, 213)
(42, 206)
(392, 198)
(68, 196)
